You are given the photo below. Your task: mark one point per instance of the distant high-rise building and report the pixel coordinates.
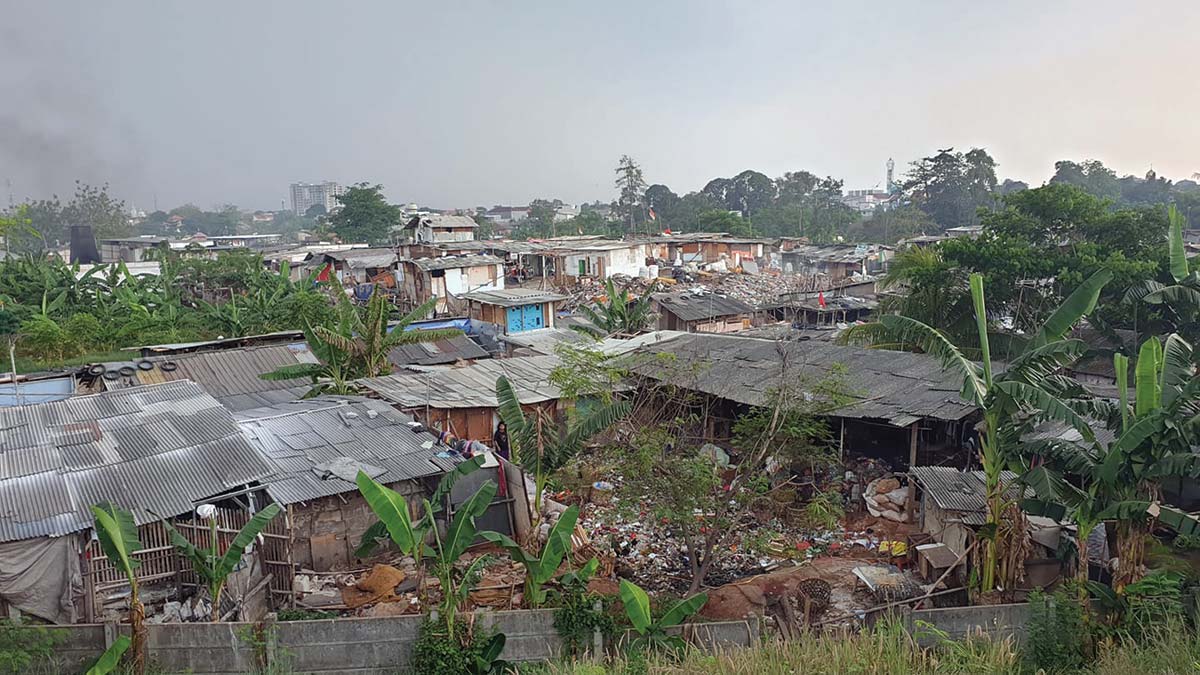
(307, 195)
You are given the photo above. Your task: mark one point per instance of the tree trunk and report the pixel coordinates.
(137, 632)
(1131, 553)
(1081, 565)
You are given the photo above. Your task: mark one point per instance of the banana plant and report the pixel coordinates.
(1030, 389)
(488, 661)
(396, 520)
(539, 444)
(111, 658)
(118, 535)
(210, 564)
(652, 635)
(411, 536)
(620, 313)
(540, 569)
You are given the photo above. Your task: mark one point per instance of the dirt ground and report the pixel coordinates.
(749, 596)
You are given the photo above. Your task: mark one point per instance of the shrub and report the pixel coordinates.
(23, 646)
(1056, 637)
(45, 340)
(438, 652)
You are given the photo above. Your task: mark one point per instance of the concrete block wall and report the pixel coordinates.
(957, 622)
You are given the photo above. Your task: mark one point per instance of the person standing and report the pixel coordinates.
(500, 440)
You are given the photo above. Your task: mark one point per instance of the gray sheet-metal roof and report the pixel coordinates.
(469, 386)
(296, 437)
(361, 258)
(232, 376)
(514, 297)
(450, 350)
(690, 306)
(158, 448)
(449, 262)
(836, 253)
(896, 387)
(544, 340)
(961, 491)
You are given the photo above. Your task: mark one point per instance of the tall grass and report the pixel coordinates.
(886, 649)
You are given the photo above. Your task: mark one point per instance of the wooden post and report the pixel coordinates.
(912, 461)
(842, 441)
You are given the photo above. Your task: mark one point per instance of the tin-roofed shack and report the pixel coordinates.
(157, 451)
(362, 265)
(462, 399)
(316, 449)
(905, 408)
(693, 312)
(514, 310)
(232, 376)
(448, 278)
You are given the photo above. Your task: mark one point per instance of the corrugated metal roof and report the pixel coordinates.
(456, 261)
(36, 391)
(232, 376)
(690, 306)
(366, 431)
(469, 386)
(836, 253)
(449, 350)
(441, 220)
(897, 387)
(961, 491)
(157, 448)
(361, 258)
(514, 297)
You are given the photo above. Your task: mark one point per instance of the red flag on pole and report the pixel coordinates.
(821, 299)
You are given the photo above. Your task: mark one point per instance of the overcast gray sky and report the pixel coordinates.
(478, 103)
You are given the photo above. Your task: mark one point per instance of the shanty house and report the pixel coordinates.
(837, 261)
(708, 247)
(436, 228)
(157, 451)
(361, 265)
(462, 399)
(569, 258)
(448, 278)
(131, 249)
(317, 447)
(953, 506)
(904, 408)
(515, 310)
(701, 312)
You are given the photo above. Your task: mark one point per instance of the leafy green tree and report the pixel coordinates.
(365, 216)
(1090, 175)
(631, 186)
(1028, 390)
(211, 564)
(93, 206)
(950, 186)
(747, 193)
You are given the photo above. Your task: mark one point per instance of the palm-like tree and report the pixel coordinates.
(357, 344)
(620, 313)
(539, 443)
(1093, 482)
(1029, 389)
(929, 290)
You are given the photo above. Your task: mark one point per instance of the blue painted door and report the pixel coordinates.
(515, 319)
(533, 317)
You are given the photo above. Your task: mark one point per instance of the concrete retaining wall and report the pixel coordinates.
(336, 646)
(996, 620)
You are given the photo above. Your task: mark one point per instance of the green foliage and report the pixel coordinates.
(108, 661)
(580, 613)
(22, 647)
(619, 313)
(824, 511)
(1186, 542)
(457, 650)
(652, 636)
(365, 216)
(951, 186)
(541, 568)
(1056, 635)
(45, 340)
(210, 564)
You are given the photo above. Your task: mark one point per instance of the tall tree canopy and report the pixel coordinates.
(951, 186)
(365, 216)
